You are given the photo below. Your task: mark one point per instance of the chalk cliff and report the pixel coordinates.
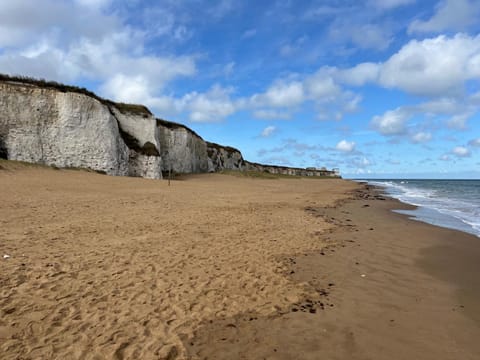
(182, 150)
(63, 126)
(62, 129)
(224, 158)
(291, 171)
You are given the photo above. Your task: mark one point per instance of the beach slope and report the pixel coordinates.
(225, 267)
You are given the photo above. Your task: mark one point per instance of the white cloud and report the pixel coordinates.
(452, 112)
(449, 15)
(389, 4)
(146, 74)
(331, 101)
(437, 66)
(474, 142)
(269, 114)
(55, 44)
(321, 87)
(392, 122)
(268, 131)
(475, 98)
(281, 94)
(352, 102)
(371, 36)
(25, 22)
(94, 4)
(360, 74)
(437, 106)
(128, 89)
(365, 36)
(459, 121)
(52, 41)
(345, 146)
(445, 157)
(421, 137)
(461, 151)
(211, 106)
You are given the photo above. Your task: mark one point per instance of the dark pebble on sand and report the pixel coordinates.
(313, 311)
(294, 310)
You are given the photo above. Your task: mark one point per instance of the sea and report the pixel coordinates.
(453, 204)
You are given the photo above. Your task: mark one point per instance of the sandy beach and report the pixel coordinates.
(225, 267)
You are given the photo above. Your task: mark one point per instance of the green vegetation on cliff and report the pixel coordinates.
(135, 109)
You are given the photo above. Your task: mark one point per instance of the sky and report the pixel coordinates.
(376, 88)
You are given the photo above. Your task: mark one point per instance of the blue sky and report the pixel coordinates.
(377, 88)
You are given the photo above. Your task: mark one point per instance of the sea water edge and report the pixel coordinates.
(453, 204)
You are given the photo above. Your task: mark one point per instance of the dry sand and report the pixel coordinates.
(221, 267)
(112, 267)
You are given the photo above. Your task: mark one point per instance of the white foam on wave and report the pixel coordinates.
(456, 212)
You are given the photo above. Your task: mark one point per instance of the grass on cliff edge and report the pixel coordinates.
(135, 109)
(267, 175)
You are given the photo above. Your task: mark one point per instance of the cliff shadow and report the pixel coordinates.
(3, 149)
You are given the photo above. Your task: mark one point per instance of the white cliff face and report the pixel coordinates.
(61, 129)
(149, 167)
(144, 157)
(143, 127)
(70, 129)
(182, 150)
(224, 158)
(65, 128)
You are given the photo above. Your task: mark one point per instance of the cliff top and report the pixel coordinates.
(173, 125)
(218, 147)
(53, 85)
(136, 109)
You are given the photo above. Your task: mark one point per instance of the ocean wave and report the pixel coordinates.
(456, 203)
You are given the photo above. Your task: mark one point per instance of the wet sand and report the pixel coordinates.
(222, 267)
(389, 288)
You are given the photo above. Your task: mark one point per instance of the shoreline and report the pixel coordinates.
(383, 293)
(426, 214)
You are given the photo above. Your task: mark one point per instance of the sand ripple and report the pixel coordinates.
(123, 268)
